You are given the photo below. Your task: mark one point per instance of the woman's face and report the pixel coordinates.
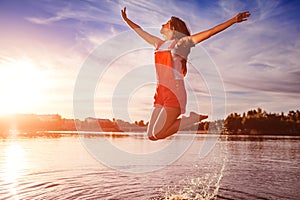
(167, 25)
(165, 28)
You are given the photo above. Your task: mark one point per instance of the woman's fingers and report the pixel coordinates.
(123, 11)
(243, 16)
(246, 14)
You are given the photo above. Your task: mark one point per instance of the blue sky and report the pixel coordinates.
(45, 44)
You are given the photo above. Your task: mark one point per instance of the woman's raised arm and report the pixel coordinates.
(199, 37)
(151, 39)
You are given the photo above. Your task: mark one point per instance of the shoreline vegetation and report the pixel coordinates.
(253, 122)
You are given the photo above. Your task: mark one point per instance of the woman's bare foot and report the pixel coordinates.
(197, 116)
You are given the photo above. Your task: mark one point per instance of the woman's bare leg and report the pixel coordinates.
(166, 118)
(172, 124)
(185, 121)
(164, 122)
(154, 115)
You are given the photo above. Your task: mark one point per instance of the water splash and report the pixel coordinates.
(203, 187)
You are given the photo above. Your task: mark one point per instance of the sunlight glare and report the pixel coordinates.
(21, 84)
(14, 161)
(14, 164)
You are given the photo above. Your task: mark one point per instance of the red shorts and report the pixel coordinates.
(175, 97)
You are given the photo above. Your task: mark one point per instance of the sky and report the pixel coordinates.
(47, 45)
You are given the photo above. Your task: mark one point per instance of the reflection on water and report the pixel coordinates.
(236, 168)
(137, 144)
(14, 162)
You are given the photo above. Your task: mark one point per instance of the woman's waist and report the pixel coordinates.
(171, 83)
(171, 80)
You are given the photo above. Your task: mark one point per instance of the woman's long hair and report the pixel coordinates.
(180, 30)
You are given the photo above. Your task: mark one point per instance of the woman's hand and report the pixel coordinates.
(124, 15)
(151, 39)
(242, 17)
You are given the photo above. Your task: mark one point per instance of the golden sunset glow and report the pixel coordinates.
(21, 86)
(44, 49)
(14, 162)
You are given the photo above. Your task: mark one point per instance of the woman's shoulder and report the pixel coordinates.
(165, 44)
(185, 42)
(183, 46)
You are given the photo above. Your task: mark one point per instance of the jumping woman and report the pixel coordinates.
(170, 63)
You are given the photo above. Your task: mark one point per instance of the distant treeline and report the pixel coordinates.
(35, 125)
(256, 122)
(262, 123)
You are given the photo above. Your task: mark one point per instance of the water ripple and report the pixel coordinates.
(243, 171)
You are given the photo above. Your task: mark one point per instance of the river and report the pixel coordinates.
(211, 167)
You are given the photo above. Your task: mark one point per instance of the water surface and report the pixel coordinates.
(238, 167)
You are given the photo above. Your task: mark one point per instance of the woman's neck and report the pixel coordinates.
(168, 35)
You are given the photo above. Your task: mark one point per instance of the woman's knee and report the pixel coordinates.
(152, 138)
(151, 134)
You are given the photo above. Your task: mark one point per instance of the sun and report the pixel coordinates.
(20, 86)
